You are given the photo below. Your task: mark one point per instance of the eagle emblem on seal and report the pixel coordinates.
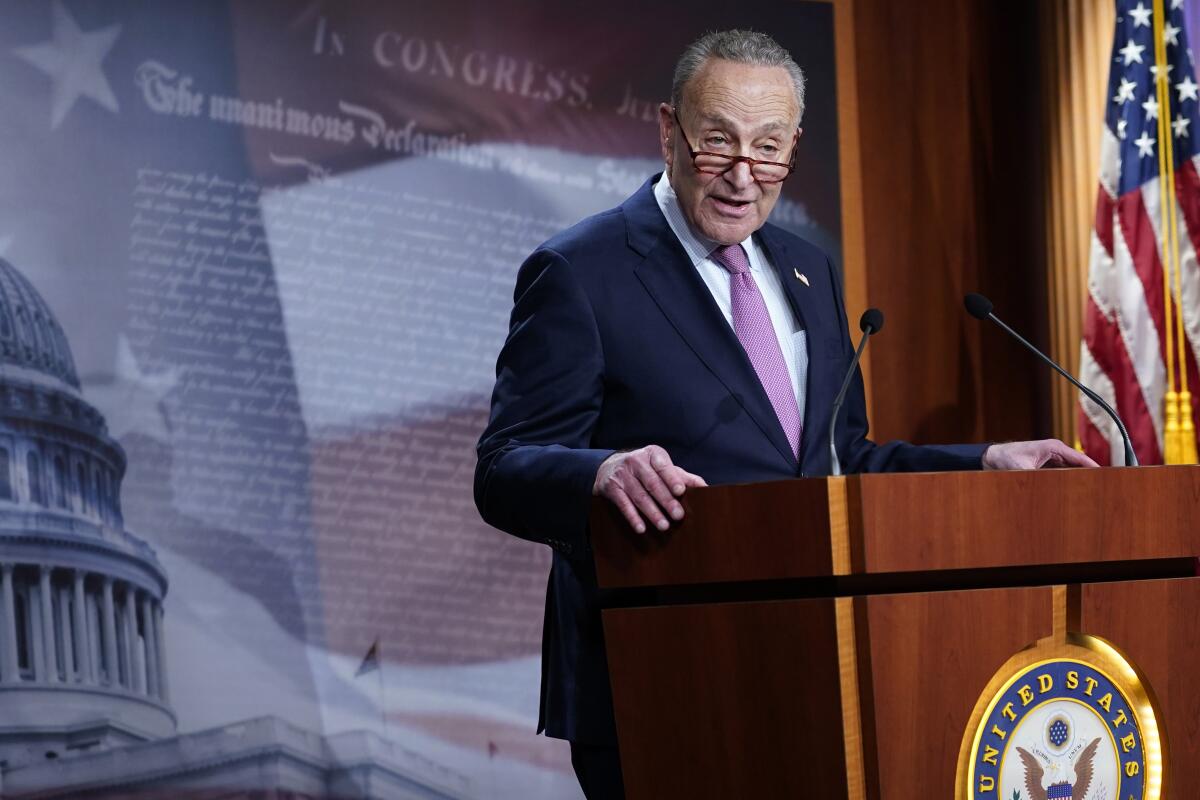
(1059, 780)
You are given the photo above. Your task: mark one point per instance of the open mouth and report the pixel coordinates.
(734, 208)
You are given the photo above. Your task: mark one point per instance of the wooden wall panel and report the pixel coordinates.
(949, 117)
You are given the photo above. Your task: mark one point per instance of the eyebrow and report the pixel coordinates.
(724, 122)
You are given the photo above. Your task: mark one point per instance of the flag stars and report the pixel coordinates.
(1180, 126)
(1171, 34)
(1132, 52)
(1151, 107)
(1145, 145)
(1187, 89)
(73, 59)
(1141, 16)
(1166, 72)
(1122, 124)
(1125, 91)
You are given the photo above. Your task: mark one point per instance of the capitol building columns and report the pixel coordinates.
(161, 656)
(8, 657)
(133, 676)
(69, 626)
(62, 592)
(148, 624)
(112, 670)
(48, 662)
(85, 667)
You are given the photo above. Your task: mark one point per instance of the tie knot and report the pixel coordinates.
(733, 258)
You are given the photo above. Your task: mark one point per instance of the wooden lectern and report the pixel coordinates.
(829, 638)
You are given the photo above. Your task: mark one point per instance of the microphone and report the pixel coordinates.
(980, 307)
(870, 322)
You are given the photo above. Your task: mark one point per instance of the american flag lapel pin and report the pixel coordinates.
(800, 276)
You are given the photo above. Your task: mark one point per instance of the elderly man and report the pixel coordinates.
(668, 343)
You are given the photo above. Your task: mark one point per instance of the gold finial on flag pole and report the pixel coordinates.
(1187, 429)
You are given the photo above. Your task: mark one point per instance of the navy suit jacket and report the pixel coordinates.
(615, 343)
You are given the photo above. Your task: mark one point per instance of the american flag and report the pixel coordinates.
(1132, 346)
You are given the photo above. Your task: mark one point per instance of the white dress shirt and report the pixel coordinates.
(792, 338)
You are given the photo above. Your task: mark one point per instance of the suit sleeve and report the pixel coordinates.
(536, 468)
(860, 454)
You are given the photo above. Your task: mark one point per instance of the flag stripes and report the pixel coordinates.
(1127, 329)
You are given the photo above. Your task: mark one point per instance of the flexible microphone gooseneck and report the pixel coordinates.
(980, 307)
(869, 323)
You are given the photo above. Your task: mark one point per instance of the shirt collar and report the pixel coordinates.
(696, 245)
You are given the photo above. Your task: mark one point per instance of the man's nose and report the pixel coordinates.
(739, 175)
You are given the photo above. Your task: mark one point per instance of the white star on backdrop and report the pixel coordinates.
(1141, 15)
(1151, 107)
(1167, 71)
(1180, 126)
(1122, 124)
(1145, 145)
(1125, 91)
(1176, 4)
(132, 399)
(1187, 89)
(1171, 34)
(72, 60)
(1132, 52)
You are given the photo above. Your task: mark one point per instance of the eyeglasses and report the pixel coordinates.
(719, 164)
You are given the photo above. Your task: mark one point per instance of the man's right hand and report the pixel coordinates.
(643, 484)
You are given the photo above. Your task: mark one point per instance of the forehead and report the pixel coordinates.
(745, 94)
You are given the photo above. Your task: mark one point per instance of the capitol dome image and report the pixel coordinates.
(85, 702)
(81, 655)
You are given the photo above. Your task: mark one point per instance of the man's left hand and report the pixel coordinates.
(1034, 455)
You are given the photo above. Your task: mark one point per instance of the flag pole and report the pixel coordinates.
(1172, 441)
(1187, 429)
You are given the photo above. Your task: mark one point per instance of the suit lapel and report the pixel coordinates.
(805, 299)
(676, 287)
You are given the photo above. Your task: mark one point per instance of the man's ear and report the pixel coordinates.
(666, 127)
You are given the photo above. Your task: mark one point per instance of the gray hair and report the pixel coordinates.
(744, 47)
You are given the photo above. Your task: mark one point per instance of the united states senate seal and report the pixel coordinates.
(1069, 719)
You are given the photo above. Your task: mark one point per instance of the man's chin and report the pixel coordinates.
(726, 233)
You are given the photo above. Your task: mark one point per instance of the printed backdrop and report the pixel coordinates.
(282, 238)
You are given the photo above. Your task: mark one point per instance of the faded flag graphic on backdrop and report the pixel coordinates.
(282, 238)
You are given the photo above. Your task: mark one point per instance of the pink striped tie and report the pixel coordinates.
(752, 324)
